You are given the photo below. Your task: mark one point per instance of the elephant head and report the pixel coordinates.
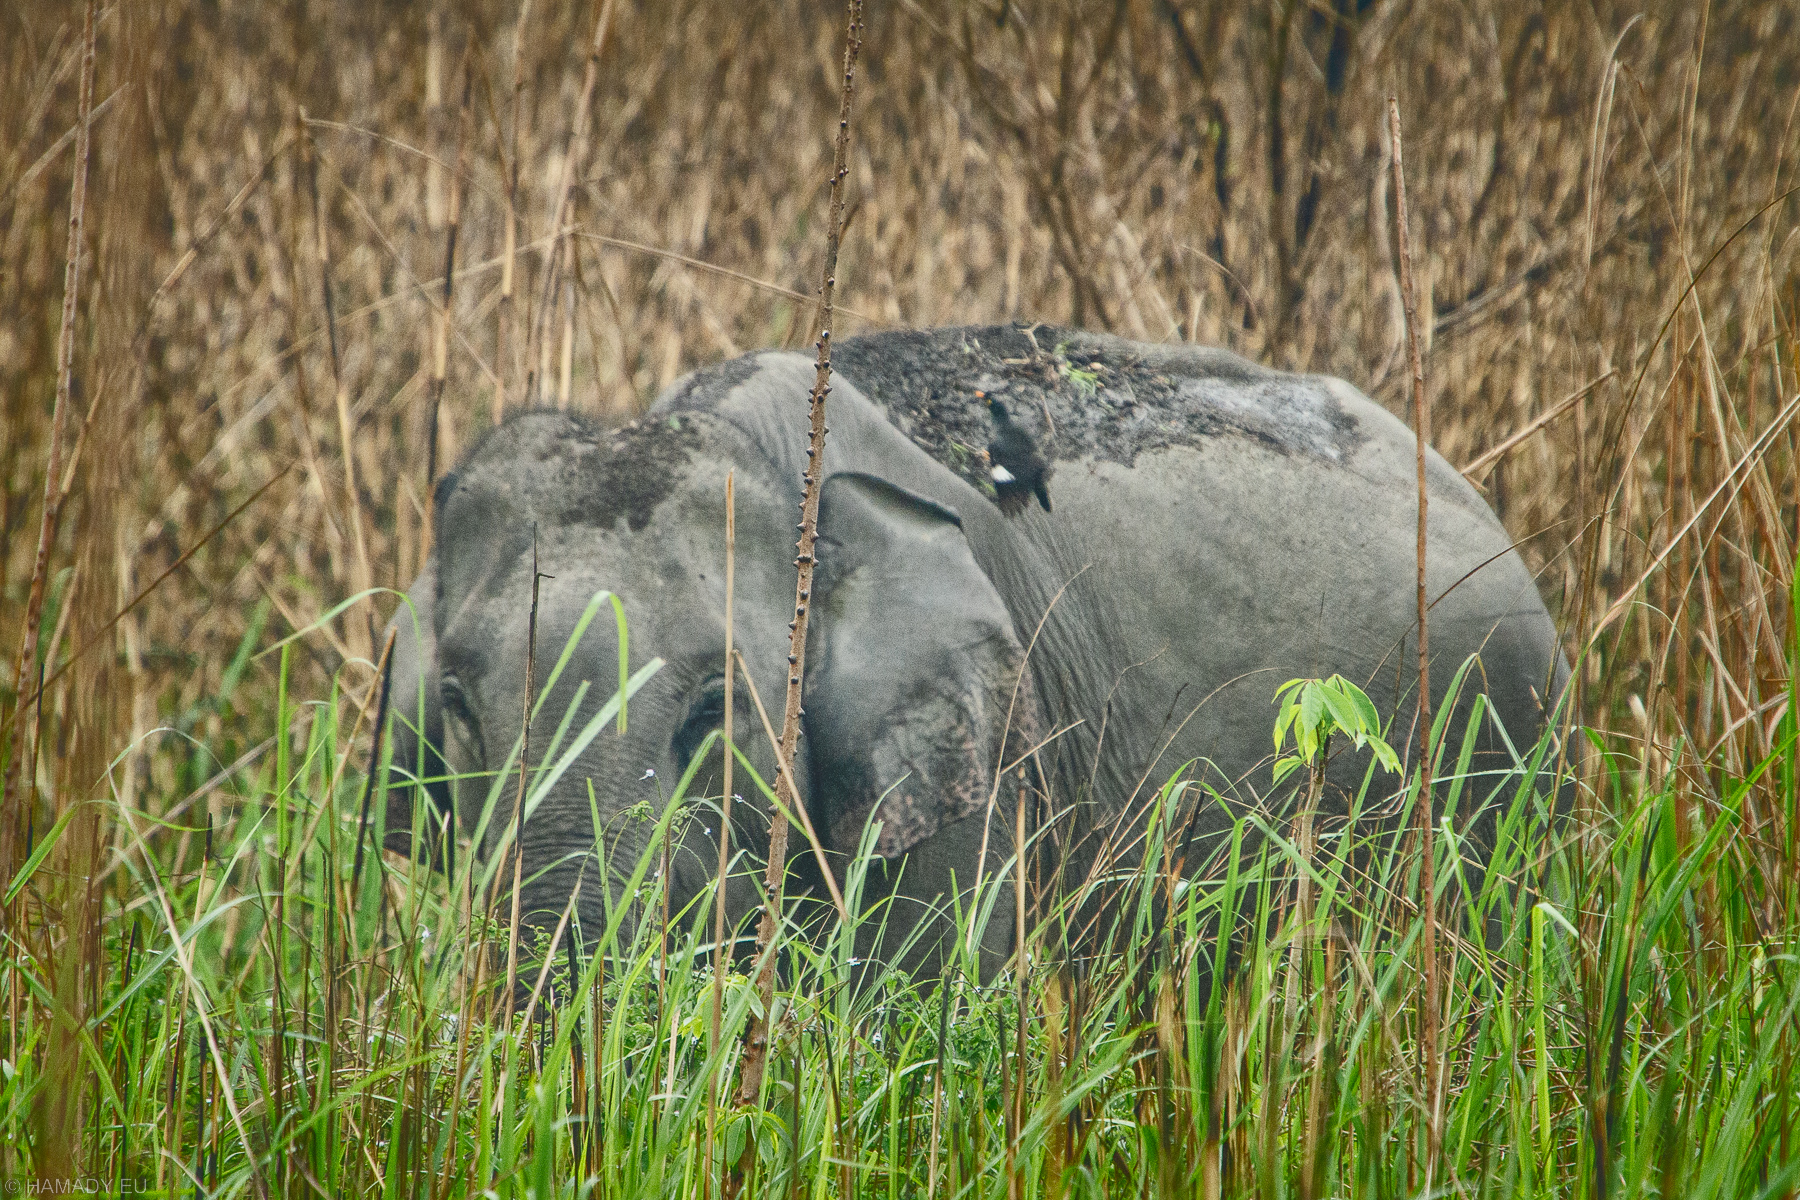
(913, 661)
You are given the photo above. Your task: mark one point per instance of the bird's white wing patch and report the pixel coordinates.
(1001, 475)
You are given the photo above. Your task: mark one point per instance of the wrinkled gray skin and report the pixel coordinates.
(1218, 529)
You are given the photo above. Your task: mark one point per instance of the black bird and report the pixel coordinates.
(1015, 465)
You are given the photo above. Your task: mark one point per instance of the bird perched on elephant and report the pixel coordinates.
(1219, 528)
(1015, 465)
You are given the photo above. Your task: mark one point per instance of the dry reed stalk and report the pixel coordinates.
(565, 359)
(657, 1105)
(721, 960)
(1479, 466)
(1015, 1183)
(1058, 1037)
(320, 512)
(1674, 604)
(440, 338)
(1316, 1148)
(581, 1113)
(338, 904)
(597, 1034)
(383, 677)
(687, 260)
(1211, 1182)
(257, 178)
(1732, 481)
(574, 152)
(24, 179)
(1426, 822)
(472, 991)
(504, 336)
(756, 1038)
(937, 1085)
(562, 926)
(14, 815)
(362, 575)
(518, 815)
(173, 567)
(1237, 1083)
(96, 638)
(835, 1109)
(421, 286)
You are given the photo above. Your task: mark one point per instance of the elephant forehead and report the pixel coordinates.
(669, 577)
(561, 468)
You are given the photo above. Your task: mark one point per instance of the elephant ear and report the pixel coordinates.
(416, 732)
(914, 667)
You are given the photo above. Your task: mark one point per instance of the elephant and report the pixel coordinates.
(1218, 528)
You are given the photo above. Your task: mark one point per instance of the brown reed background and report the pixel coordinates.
(1170, 171)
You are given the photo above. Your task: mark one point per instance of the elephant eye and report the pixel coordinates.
(450, 693)
(456, 707)
(705, 714)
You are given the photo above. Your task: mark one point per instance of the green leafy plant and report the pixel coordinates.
(1314, 709)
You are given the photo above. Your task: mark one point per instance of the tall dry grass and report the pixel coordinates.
(1601, 194)
(1166, 171)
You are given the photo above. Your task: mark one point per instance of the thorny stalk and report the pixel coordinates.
(756, 1038)
(1428, 1032)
